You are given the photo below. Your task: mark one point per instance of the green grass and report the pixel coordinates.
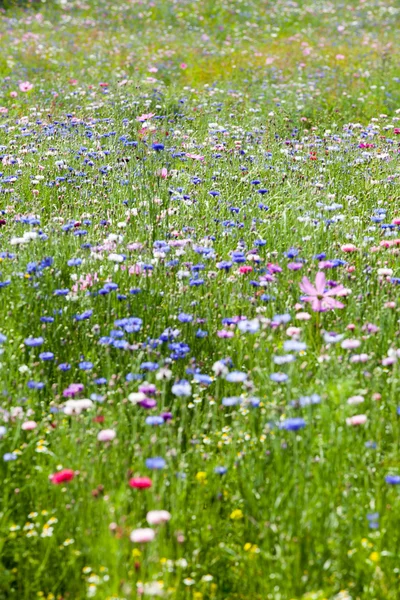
(303, 98)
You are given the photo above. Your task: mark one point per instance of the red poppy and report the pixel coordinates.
(62, 476)
(140, 483)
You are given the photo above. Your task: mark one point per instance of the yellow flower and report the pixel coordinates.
(201, 476)
(236, 514)
(374, 556)
(136, 553)
(247, 547)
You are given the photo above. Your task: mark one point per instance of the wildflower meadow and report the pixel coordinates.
(199, 300)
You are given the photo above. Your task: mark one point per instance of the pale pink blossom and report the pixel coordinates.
(349, 248)
(350, 344)
(145, 117)
(321, 300)
(155, 517)
(29, 425)
(357, 420)
(355, 400)
(194, 156)
(142, 536)
(25, 86)
(106, 435)
(303, 316)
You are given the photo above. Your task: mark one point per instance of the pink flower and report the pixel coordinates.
(357, 420)
(3, 110)
(29, 425)
(359, 358)
(155, 517)
(141, 483)
(303, 316)
(145, 117)
(340, 57)
(321, 300)
(223, 333)
(350, 344)
(194, 156)
(106, 435)
(13, 94)
(349, 248)
(142, 536)
(25, 86)
(183, 66)
(62, 476)
(295, 266)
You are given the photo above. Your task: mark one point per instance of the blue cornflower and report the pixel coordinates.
(204, 379)
(86, 365)
(292, 424)
(133, 377)
(155, 463)
(9, 456)
(393, 479)
(74, 262)
(46, 356)
(236, 377)
(35, 385)
(85, 315)
(231, 401)
(64, 367)
(47, 319)
(182, 389)
(220, 470)
(149, 366)
(154, 420)
(279, 377)
(33, 342)
(157, 147)
(185, 318)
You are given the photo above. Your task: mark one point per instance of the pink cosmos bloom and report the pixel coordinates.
(73, 390)
(183, 66)
(295, 266)
(321, 300)
(141, 536)
(29, 425)
(25, 86)
(155, 517)
(145, 117)
(357, 420)
(106, 435)
(194, 156)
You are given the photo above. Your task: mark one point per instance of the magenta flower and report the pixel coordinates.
(25, 86)
(321, 300)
